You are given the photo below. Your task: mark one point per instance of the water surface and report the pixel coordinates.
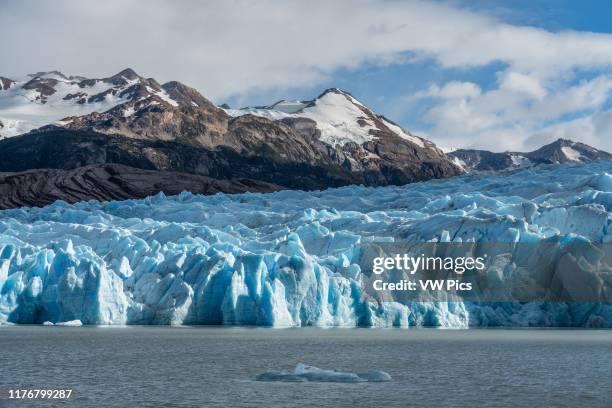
(216, 367)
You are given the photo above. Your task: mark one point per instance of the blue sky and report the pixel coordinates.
(500, 75)
(386, 88)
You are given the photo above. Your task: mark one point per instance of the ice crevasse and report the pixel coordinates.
(289, 258)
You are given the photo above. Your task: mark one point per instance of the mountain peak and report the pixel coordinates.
(334, 91)
(128, 73)
(123, 77)
(185, 95)
(562, 142)
(564, 150)
(336, 96)
(55, 74)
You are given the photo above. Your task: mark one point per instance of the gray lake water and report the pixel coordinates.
(216, 367)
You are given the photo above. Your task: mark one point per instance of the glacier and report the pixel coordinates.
(289, 258)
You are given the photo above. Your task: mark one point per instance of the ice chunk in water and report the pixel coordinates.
(73, 323)
(303, 373)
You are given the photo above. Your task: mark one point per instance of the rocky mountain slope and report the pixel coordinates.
(559, 151)
(109, 182)
(67, 149)
(331, 141)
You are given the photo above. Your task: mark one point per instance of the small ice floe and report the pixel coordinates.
(48, 323)
(303, 373)
(70, 323)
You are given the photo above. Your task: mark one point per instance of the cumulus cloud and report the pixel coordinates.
(519, 111)
(450, 90)
(594, 129)
(226, 47)
(521, 83)
(229, 48)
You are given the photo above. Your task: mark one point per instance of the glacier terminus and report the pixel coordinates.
(289, 258)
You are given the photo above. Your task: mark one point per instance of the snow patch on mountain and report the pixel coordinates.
(163, 95)
(459, 163)
(47, 97)
(262, 112)
(519, 160)
(339, 117)
(402, 133)
(571, 154)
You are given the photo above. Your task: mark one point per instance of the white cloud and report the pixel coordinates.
(450, 90)
(228, 47)
(518, 111)
(516, 82)
(594, 129)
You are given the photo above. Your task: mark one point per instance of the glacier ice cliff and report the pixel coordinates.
(289, 258)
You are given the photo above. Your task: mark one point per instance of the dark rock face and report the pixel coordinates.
(184, 95)
(482, 160)
(287, 154)
(44, 86)
(80, 97)
(65, 149)
(146, 119)
(5, 83)
(560, 151)
(110, 182)
(122, 77)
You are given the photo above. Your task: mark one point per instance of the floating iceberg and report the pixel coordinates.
(290, 258)
(71, 323)
(304, 373)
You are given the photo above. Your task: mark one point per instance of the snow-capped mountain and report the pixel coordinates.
(332, 140)
(47, 97)
(339, 117)
(333, 130)
(563, 151)
(559, 151)
(74, 101)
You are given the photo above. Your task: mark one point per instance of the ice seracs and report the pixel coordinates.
(293, 258)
